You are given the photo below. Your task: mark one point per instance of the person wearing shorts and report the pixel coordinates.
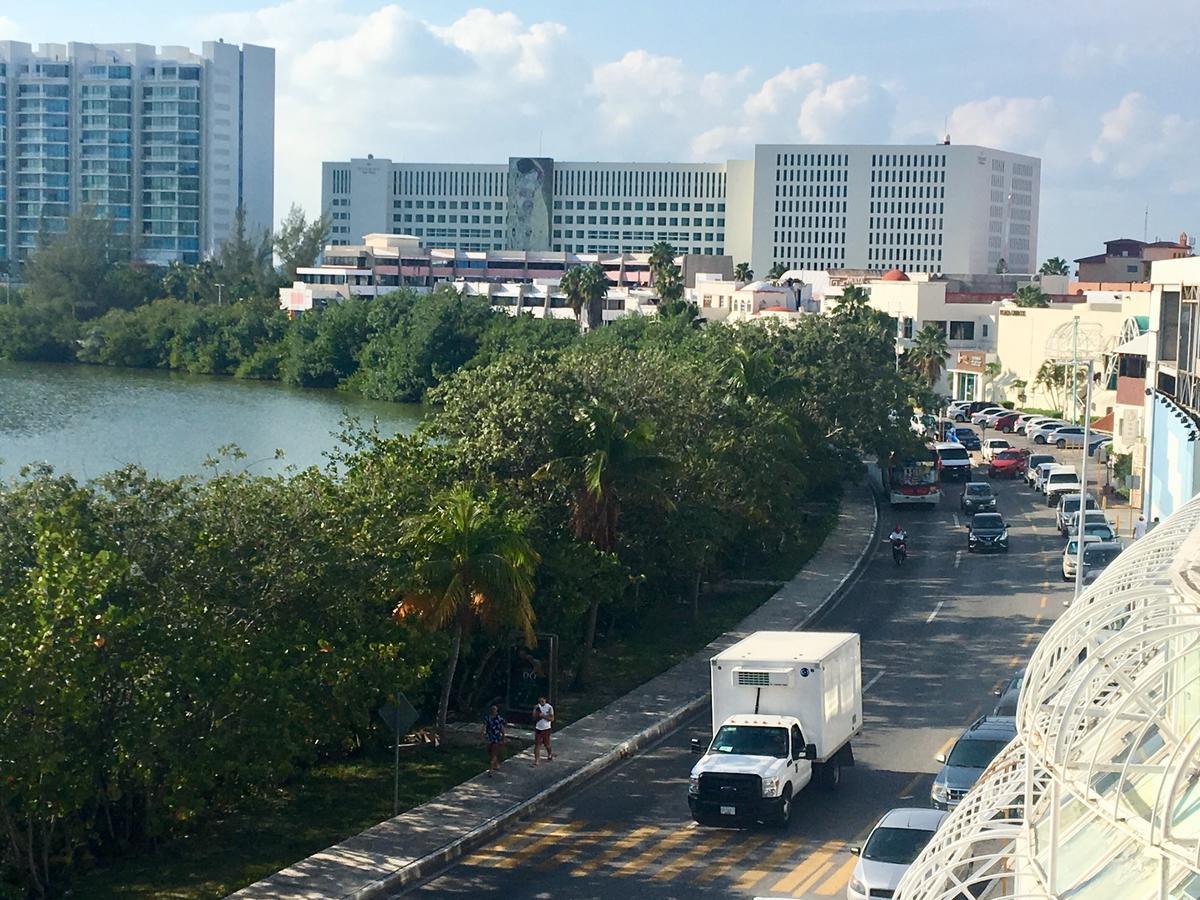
(493, 736)
(543, 717)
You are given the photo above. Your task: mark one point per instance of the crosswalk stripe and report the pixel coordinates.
(557, 832)
(507, 844)
(762, 869)
(733, 857)
(836, 882)
(694, 854)
(578, 844)
(808, 866)
(654, 852)
(615, 849)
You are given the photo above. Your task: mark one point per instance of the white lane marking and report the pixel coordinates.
(957, 558)
(871, 683)
(957, 524)
(936, 610)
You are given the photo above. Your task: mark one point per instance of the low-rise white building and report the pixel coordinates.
(720, 300)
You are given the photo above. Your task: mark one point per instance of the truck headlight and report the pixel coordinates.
(772, 786)
(693, 784)
(1004, 535)
(940, 793)
(857, 887)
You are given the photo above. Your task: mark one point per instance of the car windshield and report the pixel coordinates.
(898, 846)
(979, 490)
(1070, 504)
(975, 754)
(751, 740)
(1038, 458)
(987, 520)
(1009, 454)
(1097, 528)
(954, 454)
(1000, 444)
(1064, 478)
(1099, 556)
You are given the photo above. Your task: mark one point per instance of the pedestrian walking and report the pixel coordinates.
(543, 718)
(1139, 528)
(493, 736)
(1153, 524)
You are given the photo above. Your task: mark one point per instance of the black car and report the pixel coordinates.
(1009, 695)
(977, 497)
(987, 532)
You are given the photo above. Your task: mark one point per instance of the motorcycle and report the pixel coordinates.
(899, 550)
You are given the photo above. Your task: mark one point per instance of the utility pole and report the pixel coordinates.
(1075, 372)
(1083, 487)
(219, 286)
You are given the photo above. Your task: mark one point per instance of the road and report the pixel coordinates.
(938, 635)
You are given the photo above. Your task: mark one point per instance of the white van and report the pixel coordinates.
(954, 463)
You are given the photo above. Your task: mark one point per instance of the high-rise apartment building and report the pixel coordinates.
(167, 143)
(919, 208)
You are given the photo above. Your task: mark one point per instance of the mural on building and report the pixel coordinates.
(530, 190)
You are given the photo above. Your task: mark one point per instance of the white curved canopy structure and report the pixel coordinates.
(1098, 796)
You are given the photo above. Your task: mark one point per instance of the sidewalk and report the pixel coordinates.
(403, 850)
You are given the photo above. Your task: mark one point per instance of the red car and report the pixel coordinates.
(1006, 422)
(1007, 464)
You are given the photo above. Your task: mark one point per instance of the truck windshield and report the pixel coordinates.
(751, 740)
(953, 454)
(898, 846)
(975, 754)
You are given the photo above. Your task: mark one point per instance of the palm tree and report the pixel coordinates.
(929, 352)
(1031, 296)
(777, 271)
(475, 569)
(668, 283)
(605, 459)
(1055, 265)
(854, 300)
(742, 272)
(586, 287)
(662, 255)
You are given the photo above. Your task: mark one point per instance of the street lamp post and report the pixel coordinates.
(1083, 488)
(219, 286)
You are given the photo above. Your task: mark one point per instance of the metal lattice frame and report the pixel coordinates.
(1098, 796)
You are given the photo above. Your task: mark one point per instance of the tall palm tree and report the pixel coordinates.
(662, 254)
(929, 352)
(475, 569)
(585, 288)
(1031, 296)
(742, 272)
(668, 283)
(1055, 265)
(854, 300)
(777, 271)
(605, 459)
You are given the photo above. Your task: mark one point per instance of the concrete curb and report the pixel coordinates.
(427, 865)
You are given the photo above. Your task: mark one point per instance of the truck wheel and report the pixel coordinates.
(784, 816)
(830, 775)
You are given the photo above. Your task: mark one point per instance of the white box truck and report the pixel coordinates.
(785, 705)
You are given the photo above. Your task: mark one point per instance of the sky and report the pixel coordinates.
(1104, 92)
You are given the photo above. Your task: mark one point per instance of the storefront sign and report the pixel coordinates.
(970, 361)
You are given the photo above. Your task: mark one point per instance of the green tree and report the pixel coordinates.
(855, 301)
(474, 567)
(1055, 265)
(668, 283)
(605, 459)
(929, 353)
(76, 269)
(244, 260)
(1031, 296)
(777, 271)
(298, 242)
(742, 272)
(662, 255)
(585, 288)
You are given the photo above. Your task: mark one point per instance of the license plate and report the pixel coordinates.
(728, 811)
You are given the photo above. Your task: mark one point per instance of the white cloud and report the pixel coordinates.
(1019, 124)
(1136, 140)
(852, 110)
(9, 30)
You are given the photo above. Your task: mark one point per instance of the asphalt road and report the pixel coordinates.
(938, 635)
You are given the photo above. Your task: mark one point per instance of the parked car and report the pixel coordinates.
(1006, 423)
(1094, 517)
(897, 840)
(1062, 480)
(1096, 558)
(1102, 530)
(987, 531)
(1008, 463)
(992, 445)
(1032, 463)
(1042, 470)
(1070, 557)
(971, 754)
(1099, 440)
(1022, 420)
(1069, 436)
(1009, 694)
(953, 461)
(1034, 421)
(978, 418)
(990, 419)
(1068, 505)
(1039, 433)
(977, 496)
(966, 436)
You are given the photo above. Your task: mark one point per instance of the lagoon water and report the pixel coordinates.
(88, 420)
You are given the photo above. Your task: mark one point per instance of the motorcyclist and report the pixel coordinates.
(898, 534)
(899, 542)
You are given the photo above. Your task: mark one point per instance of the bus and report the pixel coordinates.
(913, 481)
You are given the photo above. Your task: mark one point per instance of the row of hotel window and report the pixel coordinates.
(810, 206)
(437, 204)
(903, 254)
(613, 235)
(810, 221)
(638, 206)
(63, 70)
(823, 254)
(956, 331)
(43, 95)
(639, 182)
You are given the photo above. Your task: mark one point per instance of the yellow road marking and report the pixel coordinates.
(654, 852)
(837, 881)
(504, 845)
(619, 846)
(1043, 601)
(808, 867)
(734, 856)
(751, 877)
(694, 854)
(912, 785)
(557, 832)
(578, 844)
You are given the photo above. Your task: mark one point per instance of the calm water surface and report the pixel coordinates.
(87, 420)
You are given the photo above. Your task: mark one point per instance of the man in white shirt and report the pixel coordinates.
(543, 717)
(1139, 528)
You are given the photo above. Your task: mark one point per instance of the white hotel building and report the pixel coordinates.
(167, 143)
(919, 208)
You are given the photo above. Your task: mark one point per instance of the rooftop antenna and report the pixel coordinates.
(539, 142)
(1146, 223)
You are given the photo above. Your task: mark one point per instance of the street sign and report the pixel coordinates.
(398, 715)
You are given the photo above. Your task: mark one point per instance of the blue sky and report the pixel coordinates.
(1104, 92)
